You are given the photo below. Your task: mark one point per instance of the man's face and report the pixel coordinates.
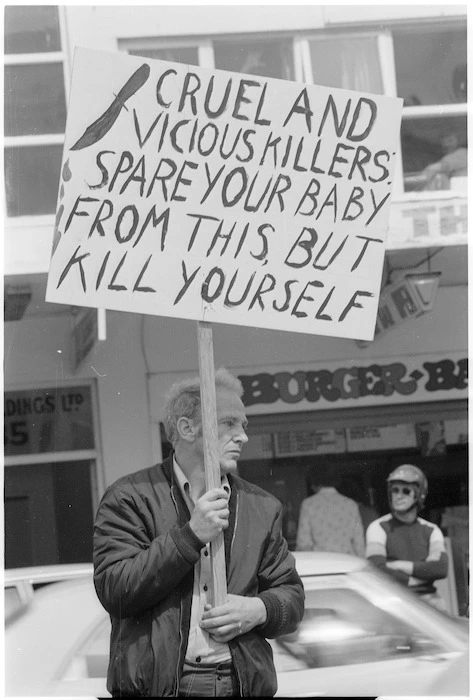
(231, 426)
(403, 496)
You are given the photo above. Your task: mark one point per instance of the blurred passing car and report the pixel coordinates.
(362, 635)
(365, 635)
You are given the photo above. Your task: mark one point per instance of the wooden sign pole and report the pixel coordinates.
(211, 460)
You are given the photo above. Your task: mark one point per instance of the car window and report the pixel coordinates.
(91, 659)
(13, 602)
(16, 596)
(342, 627)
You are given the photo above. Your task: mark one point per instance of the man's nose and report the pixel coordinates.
(241, 436)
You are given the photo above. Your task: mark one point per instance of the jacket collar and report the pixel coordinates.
(167, 468)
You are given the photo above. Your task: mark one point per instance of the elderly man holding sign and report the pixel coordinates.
(152, 565)
(222, 198)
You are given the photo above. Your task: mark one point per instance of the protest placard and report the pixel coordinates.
(223, 197)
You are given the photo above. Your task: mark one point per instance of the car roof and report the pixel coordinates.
(307, 563)
(48, 573)
(325, 563)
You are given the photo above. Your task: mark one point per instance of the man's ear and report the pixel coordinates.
(187, 429)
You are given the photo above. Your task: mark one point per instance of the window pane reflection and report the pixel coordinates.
(431, 66)
(31, 29)
(35, 101)
(13, 602)
(345, 62)
(272, 59)
(32, 179)
(186, 54)
(434, 153)
(48, 420)
(341, 627)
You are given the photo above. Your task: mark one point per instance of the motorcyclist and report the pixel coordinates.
(402, 544)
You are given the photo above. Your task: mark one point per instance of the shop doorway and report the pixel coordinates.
(361, 477)
(48, 513)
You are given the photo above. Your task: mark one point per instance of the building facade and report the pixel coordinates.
(84, 389)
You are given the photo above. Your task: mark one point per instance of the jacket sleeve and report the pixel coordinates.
(133, 572)
(280, 587)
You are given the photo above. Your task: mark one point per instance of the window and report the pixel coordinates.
(32, 179)
(348, 62)
(272, 58)
(31, 29)
(431, 77)
(269, 58)
(50, 475)
(429, 73)
(425, 65)
(177, 54)
(34, 109)
(16, 599)
(48, 420)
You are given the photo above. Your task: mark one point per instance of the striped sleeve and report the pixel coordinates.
(436, 564)
(436, 544)
(375, 540)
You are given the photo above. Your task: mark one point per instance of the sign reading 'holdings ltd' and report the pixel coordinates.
(223, 197)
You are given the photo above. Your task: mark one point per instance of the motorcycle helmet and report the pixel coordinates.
(410, 474)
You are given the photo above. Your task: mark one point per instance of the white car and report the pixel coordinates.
(362, 635)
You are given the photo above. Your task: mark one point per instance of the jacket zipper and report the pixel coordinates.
(237, 673)
(176, 691)
(235, 526)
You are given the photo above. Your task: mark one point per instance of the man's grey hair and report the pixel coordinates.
(183, 400)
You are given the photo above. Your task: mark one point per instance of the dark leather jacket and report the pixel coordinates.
(144, 557)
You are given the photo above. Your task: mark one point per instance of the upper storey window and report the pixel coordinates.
(431, 77)
(270, 58)
(425, 64)
(349, 62)
(35, 109)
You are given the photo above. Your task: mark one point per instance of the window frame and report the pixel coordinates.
(436, 111)
(205, 47)
(303, 69)
(25, 141)
(93, 455)
(205, 52)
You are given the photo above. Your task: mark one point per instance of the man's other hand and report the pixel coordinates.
(237, 616)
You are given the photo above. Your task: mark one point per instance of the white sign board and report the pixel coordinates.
(223, 197)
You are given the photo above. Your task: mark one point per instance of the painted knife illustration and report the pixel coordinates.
(103, 124)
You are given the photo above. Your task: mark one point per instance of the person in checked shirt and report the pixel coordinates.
(328, 521)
